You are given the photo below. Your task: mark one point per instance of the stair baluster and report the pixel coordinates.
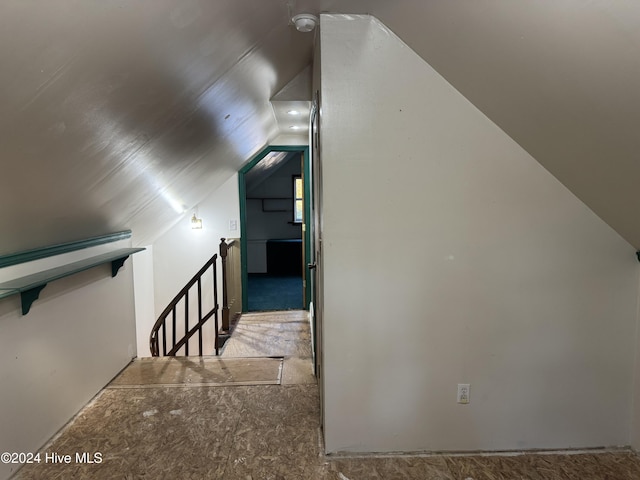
(160, 328)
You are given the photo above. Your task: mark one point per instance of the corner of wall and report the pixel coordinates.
(180, 252)
(634, 430)
(143, 289)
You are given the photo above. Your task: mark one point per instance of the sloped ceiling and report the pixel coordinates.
(122, 114)
(266, 167)
(562, 78)
(119, 114)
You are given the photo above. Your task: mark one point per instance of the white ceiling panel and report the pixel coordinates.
(124, 114)
(119, 114)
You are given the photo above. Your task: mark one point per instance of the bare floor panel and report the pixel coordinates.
(202, 371)
(151, 423)
(186, 433)
(285, 334)
(265, 432)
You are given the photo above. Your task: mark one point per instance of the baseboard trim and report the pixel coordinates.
(485, 453)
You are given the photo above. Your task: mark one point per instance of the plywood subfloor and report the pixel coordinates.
(147, 429)
(200, 371)
(266, 432)
(187, 433)
(266, 334)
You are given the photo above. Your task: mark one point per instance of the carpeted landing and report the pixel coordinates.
(270, 292)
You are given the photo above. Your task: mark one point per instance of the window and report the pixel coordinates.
(298, 204)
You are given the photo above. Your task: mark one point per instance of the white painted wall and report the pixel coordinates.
(181, 252)
(290, 139)
(451, 256)
(78, 335)
(635, 421)
(144, 299)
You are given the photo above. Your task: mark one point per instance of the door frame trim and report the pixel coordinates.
(242, 192)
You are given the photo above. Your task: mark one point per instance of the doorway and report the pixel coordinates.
(274, 233)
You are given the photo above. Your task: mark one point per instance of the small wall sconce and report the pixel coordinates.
(196, 223)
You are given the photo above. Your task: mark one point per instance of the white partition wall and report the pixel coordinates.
(181, 252)
(143, 287)
(76, 337)
(635, 422)
(451, 256)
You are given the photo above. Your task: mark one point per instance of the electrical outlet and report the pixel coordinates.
(464, 390)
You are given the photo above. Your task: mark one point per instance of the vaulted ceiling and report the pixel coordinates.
(123, 114)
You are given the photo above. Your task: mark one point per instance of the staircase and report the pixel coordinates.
(184, 326)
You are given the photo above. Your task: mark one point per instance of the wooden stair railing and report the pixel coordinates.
(232, 286)
(224, 251)
(159, 335)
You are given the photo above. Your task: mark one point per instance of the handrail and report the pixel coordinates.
(160, 326)
(224, 251)
(162, 333)
(232, 287)
(176, 345)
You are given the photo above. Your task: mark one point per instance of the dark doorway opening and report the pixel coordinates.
(273, 232)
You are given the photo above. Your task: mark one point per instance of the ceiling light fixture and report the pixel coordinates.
(294, 127)
(305, 22)
(293, 112)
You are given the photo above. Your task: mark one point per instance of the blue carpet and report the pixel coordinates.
(274, 293)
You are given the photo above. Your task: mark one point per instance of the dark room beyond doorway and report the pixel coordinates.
(274, 234)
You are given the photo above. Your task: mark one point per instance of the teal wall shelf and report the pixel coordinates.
(51, 250)
(30, 286)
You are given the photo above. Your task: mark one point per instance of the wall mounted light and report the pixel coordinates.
(196, 223)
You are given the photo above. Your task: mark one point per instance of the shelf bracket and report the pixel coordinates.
(117, 265)
(30, 286)
(29, 296)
